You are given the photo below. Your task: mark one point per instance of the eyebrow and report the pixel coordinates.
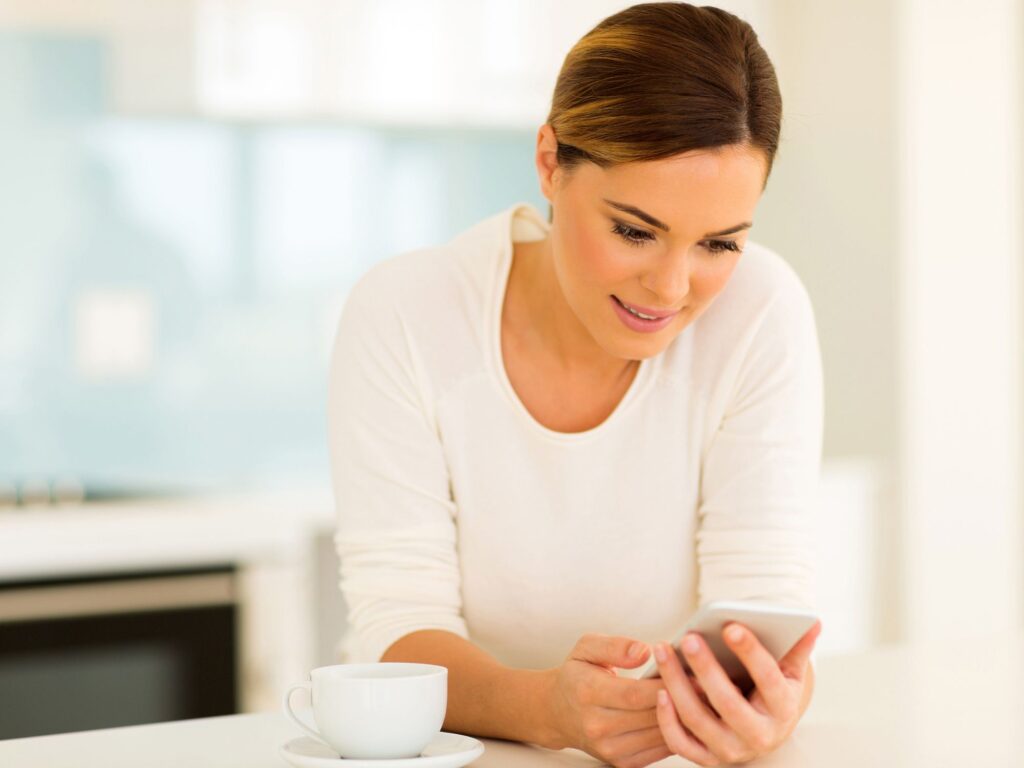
(661, 225)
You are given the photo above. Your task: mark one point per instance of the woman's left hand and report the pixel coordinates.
(734, 729)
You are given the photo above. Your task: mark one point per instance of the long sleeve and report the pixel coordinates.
(759, 474)
(396, 535)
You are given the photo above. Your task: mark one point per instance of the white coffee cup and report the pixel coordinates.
(385, 709)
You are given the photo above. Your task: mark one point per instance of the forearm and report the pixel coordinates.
(485, 697)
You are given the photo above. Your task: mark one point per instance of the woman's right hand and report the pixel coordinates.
(611, 718)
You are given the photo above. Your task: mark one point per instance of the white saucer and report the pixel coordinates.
(447, 750)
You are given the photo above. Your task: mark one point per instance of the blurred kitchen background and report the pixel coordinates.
(189, 187)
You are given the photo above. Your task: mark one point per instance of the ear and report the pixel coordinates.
(546, 160)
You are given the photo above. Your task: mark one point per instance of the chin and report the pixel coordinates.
(638, 350)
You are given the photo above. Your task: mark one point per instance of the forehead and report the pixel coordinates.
(705, 189)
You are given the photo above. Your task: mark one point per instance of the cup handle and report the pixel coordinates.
(295, 718)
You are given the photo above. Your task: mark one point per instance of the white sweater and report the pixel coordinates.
(457, 510)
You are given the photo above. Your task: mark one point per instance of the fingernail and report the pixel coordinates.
(636, 650)
(690, 644)
(734, 633)
(659, 653)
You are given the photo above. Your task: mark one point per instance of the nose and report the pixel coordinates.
(669, 280)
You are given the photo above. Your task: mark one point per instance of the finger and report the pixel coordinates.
(695, 683)
(794, 663)
(609, 650)
(701, 694)
(680, 739)
(746, 726)
(622, 693)
(763, 668)
(634, 741)
(691, 711)
(641, 759)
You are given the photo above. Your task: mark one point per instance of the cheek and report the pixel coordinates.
(597, 262)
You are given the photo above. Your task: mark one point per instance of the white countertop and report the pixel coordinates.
(274, 524)
(105, 537)
(934, 705)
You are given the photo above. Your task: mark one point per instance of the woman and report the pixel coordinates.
(532, 475)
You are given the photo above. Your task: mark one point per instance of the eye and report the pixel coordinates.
(636, 237)
(640, 237)
(717, 246)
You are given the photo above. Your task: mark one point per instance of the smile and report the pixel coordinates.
(639, 313)
(639, 321)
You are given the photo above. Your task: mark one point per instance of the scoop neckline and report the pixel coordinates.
(641, 378)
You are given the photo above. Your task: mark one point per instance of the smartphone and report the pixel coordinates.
(778, 627)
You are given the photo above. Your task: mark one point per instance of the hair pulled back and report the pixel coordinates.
(658, 79)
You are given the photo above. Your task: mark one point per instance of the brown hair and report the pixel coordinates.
(658, 79)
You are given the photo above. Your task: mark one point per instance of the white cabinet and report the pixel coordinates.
(414, 62)
(451, 63)
(847, 566)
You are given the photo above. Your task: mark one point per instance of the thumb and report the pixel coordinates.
(794, 663)
(610, 650)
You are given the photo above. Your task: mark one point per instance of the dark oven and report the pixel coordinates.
(119, 649)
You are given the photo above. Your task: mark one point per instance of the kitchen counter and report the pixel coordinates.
(268, 537)
(940, 704)
(278, 526)
(177, 532)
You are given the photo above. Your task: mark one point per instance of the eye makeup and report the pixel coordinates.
(640, 237)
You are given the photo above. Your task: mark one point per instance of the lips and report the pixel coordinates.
(646, 310)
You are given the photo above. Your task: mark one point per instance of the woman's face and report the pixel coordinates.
(603, 254)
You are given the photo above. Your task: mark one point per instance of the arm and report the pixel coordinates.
(396, 534)
(755, 540)
(485, 698)
(759, 470)
(396, 518)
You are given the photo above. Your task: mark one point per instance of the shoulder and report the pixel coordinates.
(763, 318)
(419, 282)
(400, 281)
(763, 276)
(411, 291)
(763, 287)
(428, 308)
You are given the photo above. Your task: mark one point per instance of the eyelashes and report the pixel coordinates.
(639, 238)
(632, 236)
